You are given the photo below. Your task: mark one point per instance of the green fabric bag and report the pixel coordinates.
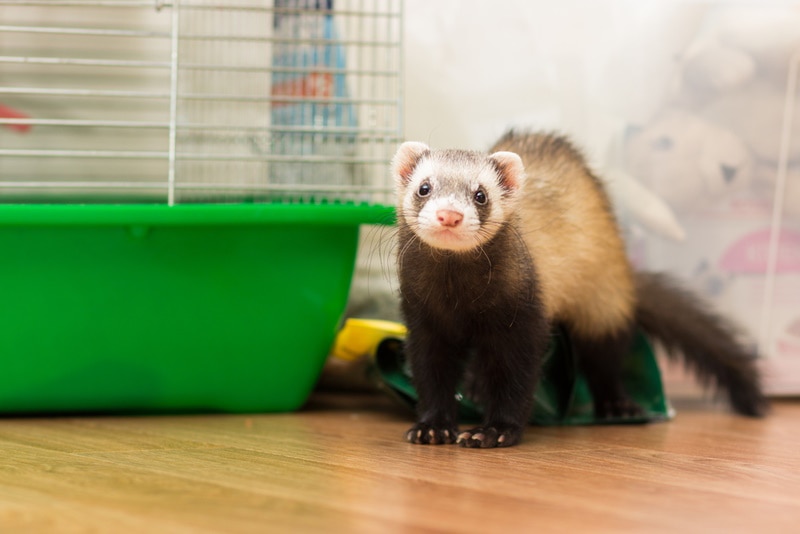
(562, 396)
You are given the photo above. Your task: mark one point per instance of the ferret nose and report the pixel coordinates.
(449, 218)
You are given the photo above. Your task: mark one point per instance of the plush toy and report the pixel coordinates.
(739, 44)
(756, 112)
(688, 161)
(735, 76)
(725, 114)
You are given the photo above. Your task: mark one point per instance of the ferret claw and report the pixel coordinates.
(489, 437)
(425, 434)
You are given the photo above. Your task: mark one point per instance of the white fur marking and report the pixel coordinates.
(470, 233)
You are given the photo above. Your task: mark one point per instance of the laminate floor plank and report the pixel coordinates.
(340, 465)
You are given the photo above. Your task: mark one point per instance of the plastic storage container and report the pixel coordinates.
(151, 308)
(181, 190)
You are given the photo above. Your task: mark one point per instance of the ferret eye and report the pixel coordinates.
(424, 189)
(480, 197)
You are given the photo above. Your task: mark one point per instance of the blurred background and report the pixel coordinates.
(688, 110)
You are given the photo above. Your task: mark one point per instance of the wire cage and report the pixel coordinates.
(198, 100)
(181, 190)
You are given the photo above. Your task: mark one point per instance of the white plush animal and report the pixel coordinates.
(736, 75)
(687, 160)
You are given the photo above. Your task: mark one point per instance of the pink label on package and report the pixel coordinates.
(749, 255)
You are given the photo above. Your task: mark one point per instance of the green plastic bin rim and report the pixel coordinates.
(194, 214)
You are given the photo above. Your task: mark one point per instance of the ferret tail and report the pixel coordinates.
(684, 325)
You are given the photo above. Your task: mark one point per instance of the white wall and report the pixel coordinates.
(474, 68)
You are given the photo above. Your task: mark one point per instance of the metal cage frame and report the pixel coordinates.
(265, 158)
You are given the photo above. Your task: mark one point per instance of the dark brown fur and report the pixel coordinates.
(475, 314)
(685, 325)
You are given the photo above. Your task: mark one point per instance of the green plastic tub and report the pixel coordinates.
(151, 308)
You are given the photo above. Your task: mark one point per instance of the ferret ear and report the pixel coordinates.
(510, 168)
(405, 160)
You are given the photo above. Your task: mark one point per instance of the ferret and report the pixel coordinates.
(495, 250)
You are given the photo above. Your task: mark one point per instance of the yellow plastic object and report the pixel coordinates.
(360, 337)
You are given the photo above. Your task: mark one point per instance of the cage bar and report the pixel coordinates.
(200, 100)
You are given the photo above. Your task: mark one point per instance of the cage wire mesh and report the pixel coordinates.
(199, 100)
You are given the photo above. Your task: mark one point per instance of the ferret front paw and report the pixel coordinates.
(425, 434)
(486, 437)
(621, 408)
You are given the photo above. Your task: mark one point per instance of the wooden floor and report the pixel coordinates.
(340, 466)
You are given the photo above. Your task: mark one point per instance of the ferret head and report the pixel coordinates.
(455, 199)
